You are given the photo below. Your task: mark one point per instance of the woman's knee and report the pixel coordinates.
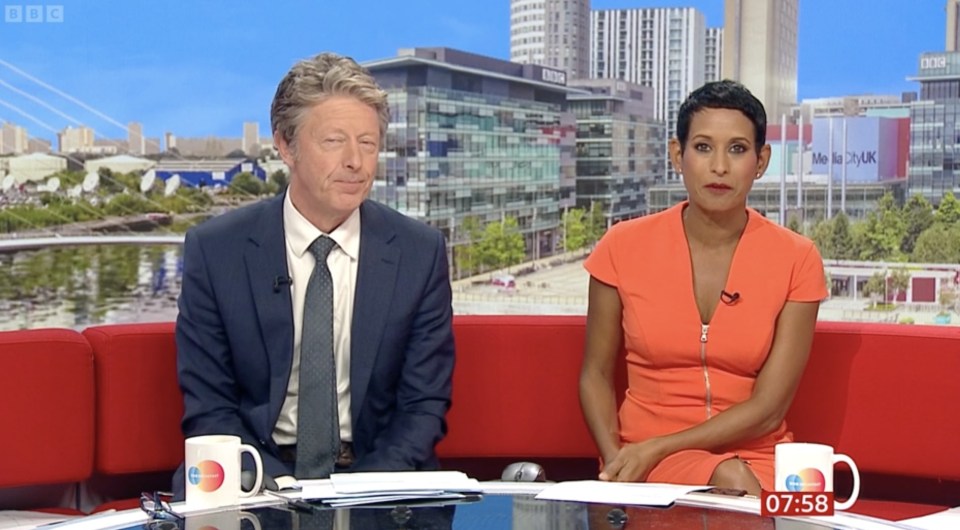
(735, 474)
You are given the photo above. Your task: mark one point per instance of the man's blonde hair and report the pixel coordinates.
(311, 81)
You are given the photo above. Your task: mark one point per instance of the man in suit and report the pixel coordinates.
(242, 321)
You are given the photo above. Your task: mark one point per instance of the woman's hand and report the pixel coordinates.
(634, 461)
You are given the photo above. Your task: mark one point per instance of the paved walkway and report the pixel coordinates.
(558, 286)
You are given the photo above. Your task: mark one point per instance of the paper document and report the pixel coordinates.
(379, 487)
(935, 521)
(403, 481)
(639, 494)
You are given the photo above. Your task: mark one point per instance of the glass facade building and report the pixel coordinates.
(479, 138)
(619, 147)
(934, 167)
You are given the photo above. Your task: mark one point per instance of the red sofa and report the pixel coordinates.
(883, 394)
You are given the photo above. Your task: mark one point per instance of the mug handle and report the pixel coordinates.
(254, 520)
(856, 482)
(245, 448)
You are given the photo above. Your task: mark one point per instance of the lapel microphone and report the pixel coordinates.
(729, 298)
(281, 281)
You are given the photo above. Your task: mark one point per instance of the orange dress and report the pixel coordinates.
(681, 372)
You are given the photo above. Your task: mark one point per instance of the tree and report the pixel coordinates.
(575, 234)
(280, 179)
(822, 236)
(917, 216)
(596, 223)
(466, 252)
(948, 297)
(793, 223)
(884, 231)
(246, 184)
(502, 244)
(899, 282)
(842, 241)
(948, 212)
(236, 153)
(938, 244)
(875, 288)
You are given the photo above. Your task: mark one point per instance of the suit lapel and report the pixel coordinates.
(266, 260)
(376, 277)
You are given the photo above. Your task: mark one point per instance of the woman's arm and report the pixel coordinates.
(759, 415)
(597, 394)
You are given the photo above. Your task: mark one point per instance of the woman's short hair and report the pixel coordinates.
(311, 81)
(724, 94)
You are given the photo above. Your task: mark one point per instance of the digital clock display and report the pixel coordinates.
(797, 503)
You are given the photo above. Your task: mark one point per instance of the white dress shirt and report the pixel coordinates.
(343, 262)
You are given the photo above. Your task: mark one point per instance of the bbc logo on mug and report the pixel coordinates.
(33, 14)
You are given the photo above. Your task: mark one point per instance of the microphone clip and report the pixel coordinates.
(729, 298)
(281, 281)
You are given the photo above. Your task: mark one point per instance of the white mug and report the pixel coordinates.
(221, 520)
(809, 468)
(212, 470)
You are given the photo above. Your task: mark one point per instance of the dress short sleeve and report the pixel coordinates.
(601, 263)
(808, 284)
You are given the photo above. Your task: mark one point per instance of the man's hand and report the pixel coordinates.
(633, 462)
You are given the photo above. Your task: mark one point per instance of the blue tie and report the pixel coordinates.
(318, 422)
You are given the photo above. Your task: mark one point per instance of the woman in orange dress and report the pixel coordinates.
(716, 308)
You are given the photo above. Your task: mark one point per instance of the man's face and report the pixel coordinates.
(333, 160)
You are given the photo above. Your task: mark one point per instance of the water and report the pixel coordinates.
(80, 286)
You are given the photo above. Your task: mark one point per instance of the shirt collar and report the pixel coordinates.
(300, 233)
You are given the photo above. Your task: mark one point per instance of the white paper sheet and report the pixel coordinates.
(936, 521)
(639, 494)
(24, 520)
(360, 488)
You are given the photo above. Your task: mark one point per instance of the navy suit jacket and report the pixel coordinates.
(235, 335)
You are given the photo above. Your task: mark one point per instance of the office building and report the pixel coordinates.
(13, 139)
(662, 48)
(207, 147)
(760, 50)
(880, 105)
(136, 143)
(935, 127)
(619, 147)
(251, 138)
(75, 140)
(552, 33)
(713, 55)
(953, 26)
(478, 138)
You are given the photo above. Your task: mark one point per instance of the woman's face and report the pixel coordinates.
(720, 161)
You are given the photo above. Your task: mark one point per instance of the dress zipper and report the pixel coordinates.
(704, 328)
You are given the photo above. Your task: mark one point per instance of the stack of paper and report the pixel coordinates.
(639, 494)
(351, 489)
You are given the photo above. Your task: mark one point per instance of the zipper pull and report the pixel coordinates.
(703, 332)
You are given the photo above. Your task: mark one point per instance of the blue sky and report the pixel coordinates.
(203, 67)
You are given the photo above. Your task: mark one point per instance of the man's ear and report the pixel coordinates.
(286, 152)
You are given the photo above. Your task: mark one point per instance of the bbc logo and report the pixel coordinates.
(35, 14)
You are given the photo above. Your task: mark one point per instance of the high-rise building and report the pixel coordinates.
(474, 140)
(75, 140)
(935, 126)
(662, 48)
(251, 138)
(136, 144)
(619, 147)
(760, 51)
(953, 26)
(713, 55)
(13, 139)
(552, 33)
